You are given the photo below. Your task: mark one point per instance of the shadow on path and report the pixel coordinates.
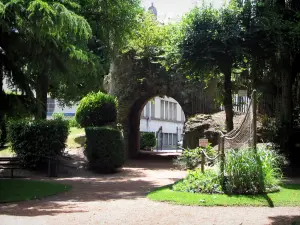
(285, 220)
(133, 181)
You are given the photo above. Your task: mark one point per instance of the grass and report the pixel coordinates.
(76, 138)
(289, 195)
(6, 151)
(14, 190)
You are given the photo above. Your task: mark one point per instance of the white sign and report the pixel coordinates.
(242, 93)
(203, 142)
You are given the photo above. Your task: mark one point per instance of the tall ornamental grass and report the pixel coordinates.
(252, 171)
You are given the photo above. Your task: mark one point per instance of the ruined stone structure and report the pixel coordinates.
(135, 81)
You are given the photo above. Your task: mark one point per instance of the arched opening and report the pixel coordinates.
(160, 115)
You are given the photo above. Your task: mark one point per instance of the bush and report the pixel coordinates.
(96, 109)
(250, 172)
(34, 142)
(191, 158)
(104, 149)
(3, 131)
(148, 140)
(73, 123)
(246, 172)
(58, 116)
(196, 181)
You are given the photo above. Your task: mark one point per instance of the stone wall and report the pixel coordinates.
(135, 81)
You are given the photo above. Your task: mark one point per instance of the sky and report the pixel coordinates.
(174, 9)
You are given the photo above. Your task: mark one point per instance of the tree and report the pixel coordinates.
(213, 44)
(51, 41)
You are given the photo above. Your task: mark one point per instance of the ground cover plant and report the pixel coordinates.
(12, 190)
(191, 158)
(251, 177)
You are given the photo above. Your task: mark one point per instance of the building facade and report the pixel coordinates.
(164, 117)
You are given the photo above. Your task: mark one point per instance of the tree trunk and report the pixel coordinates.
(41, 96)
(228, 97)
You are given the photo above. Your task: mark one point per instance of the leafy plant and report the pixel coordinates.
(196, 181)
(35, 142)
(3, 131)
(58, 116)
(73, 123)
(191, 158)
(97, 109)
(250, 171)
(104, 149)
(148, 140)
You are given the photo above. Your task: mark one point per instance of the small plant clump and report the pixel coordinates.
(191, 158)
(247, 171)
(196, 181)
(148, 140)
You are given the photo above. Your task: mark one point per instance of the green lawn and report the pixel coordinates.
(289, 195)
(6, 152)
(13, 190)
(76, 137)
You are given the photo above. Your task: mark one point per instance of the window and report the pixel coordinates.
(170, 139)
(166, 110)
(170, 110)
(175, 111)
(175, 139)
(50, 105)
(165, 139)
(148, 110)
(153, 109)
(182, 116)
(162, 109)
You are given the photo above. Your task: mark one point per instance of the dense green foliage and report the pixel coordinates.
(97, 109)
(148, 140)
(35, 142)
(198, 182)
(3, 131)
(104, 149)
(73, 123)
(61, 48)
(14, 190)
(248, 171)
(191, 158)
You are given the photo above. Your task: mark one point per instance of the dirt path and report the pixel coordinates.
(120, 199)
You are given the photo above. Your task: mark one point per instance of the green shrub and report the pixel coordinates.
(148, 140)
(191, 158)
(104, 149)
(73, 123)
(250, 172)
(196, 181)
(97, 109)
(3, 131)
(58, 116)
(34, 142)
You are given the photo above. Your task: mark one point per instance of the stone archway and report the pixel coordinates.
(135, 81)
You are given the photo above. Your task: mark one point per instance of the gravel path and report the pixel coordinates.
(120, 199)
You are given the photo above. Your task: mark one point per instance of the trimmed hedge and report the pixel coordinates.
(34, 142)
(104, 149)
(148, 140)
(97, 109)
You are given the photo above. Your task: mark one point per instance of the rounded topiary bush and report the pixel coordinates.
(97, 109)
(148, 140)
(104, 149)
